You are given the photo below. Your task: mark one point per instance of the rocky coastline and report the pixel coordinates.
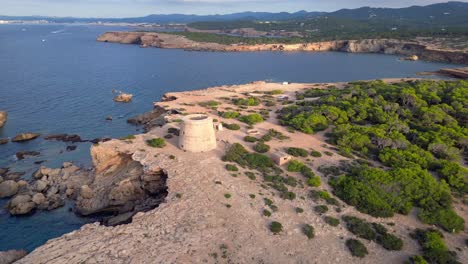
(180, 207)
(384, 46)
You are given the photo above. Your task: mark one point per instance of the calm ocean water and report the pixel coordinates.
(58, 79)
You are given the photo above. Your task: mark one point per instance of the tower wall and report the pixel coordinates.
(197, 134)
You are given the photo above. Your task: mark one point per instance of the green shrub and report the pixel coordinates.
(250, 139)
(276, 227)
(309, 231)
(359, 227)
(288, 195)
(129, 137)
(332, 221)
(261, 147)
(252, 196)
(209, 104)
(251, 175)
(321, 209)
(316, 154)
(227, 195)
(356, 248)
(173, 131)
(433, 245)
(251, 101)
(299, 210)
(230, 167)
(297, 152)
(229, 115)
(390, 242)
(314, 181)
(156, 142)
(266, 213)
(251, 119)
(275, 92)
(417, 260)
(295, 166)
(231, 126)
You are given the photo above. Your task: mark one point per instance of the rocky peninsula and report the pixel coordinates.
(417, 48)
(207, 211)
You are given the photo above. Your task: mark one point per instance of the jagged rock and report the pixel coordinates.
(4, 141)
(67, 164)
(109, 118)
(8, 188)
(3, 171)
(55, 201)
(10, 256)
(39, 198)
(150, 119)
(25, 137)
(64, 138)
(40, 186)
(123, 98)
(43, 171)
(21, 205)
(3, 118)
(23, 154)
(86, 192)
(120, 219)
(22, 183)
(13, 175)
(71, 148)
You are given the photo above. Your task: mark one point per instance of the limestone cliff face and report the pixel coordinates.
(387, 46)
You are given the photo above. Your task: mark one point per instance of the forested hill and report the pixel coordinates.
(449, 13)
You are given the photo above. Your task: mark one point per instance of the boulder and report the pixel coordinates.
(8, 188)
(123, 98)
(3, 118)
(86, 192)
(10, 256)
(3, 171)
(13, 175)
(39, 198)
(23, 154)
(64, 137)
(55, 201)
(4, 141)
(71, 148)
(25, 137)
(21, 205)
(40, 186)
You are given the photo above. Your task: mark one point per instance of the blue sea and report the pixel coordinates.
(58, 79)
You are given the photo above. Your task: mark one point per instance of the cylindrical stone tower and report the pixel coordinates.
(197, 133)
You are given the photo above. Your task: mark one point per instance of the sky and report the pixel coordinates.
(136, 8)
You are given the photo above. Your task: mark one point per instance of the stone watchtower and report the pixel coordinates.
(197, 133)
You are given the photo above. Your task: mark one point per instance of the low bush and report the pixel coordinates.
(321, 209)
(316, 154)
(297, 152)
(288, 195)
(314, 181)
(266, 213)
(156, 142)
(434, 248)
(295, 166)
(250, 139)
(231, 167)
(359, 227)
(231, 126)
(251, 119)
(261, 147)
(251, 101)
(309, 231)
(251, 175)
(276, 227)
(129, 137)
(390, 242)
(229, 115)
(209, 104)
(299, 210)
(331, 220)
(238, 154)
(356, 248)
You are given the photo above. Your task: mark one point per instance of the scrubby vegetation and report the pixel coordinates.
(276, 227)
(433, 247)
(309, 231)
(373, 231)
(414, 128)
(315, 154)
(357, 248)
(331, 220)
(261, 147)
(156, 142)
(231, 167)
(129, 137)
(209, 104)
(297, 152)
(251, 119)
(231, 126)
(251, 101)
(250, 139)
(238, 154)
(321, 209)
(229, 115)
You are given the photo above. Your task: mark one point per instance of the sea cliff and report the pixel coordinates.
(386, 46)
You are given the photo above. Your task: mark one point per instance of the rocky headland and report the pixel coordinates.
(385, 46)
(180, 207)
